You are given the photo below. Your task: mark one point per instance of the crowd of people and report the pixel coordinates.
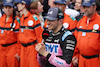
(50, 33)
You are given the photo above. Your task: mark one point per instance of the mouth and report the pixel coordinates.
(49, 26)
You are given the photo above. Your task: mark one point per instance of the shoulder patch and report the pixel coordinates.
(65, 35)
(35, 17)
(18, 20)
(72, 18)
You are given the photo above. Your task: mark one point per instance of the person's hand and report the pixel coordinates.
(75, 61)
(18, 57)
(41, 49)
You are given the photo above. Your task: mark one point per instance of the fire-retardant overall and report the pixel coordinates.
(88, 41)
(8, 41)
(30, 34)
(69, 23)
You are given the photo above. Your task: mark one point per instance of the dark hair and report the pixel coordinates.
(28, 7)
(60, 14)
(98, 5)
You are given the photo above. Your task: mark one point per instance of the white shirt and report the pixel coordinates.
(41, 20)
(71, 12)
(0, 13)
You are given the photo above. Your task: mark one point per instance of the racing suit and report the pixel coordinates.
(60, 46)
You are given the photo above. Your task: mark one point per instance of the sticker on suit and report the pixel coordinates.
(2, 31)
(53, 48)
(83, 33)
(30, 22)
(95, 26)
(66, 25)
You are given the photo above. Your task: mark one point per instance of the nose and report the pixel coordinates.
(48, 22)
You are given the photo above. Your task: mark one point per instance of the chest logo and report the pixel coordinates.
(52, 47)
(30, 22)
(95, 26)
(66, 25)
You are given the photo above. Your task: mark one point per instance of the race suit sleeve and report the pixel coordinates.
(42, 60)
(68, 49)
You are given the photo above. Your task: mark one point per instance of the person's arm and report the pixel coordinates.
(38, 29)
(16, 30)
(68, 50)
(65, 60)
(42, 60)
(75, 56)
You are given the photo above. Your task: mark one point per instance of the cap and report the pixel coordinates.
(60, 1)
(54, 14)
(8, 3)
(88, 3)
(17, 1)
(27, 2)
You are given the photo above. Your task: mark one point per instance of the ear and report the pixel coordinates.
(95, 7)
(61, 21)
(32, 11)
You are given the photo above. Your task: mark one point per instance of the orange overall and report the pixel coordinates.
(69, 22)
(30, 34)
(88, 41)
(8, 42)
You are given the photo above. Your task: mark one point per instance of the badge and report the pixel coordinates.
(2, 31)
(80, 26)
(30, 22)
(13, 25)
(66, 25)
(22, 30)
(84, 34)
(35, 17)
(96, 27)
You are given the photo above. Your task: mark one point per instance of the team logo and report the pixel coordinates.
(66, 25)
(13, 26)
(95, 26)
(50, 12)
(30, 22)
(86, 1)
(8, 1)
(53, 48)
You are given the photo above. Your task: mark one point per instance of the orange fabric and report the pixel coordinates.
(45, 24)
(8, 36)
(69, 23)
(94, 62)
(88, 44)
(7, 54)
(29, 54)
(30, 35)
